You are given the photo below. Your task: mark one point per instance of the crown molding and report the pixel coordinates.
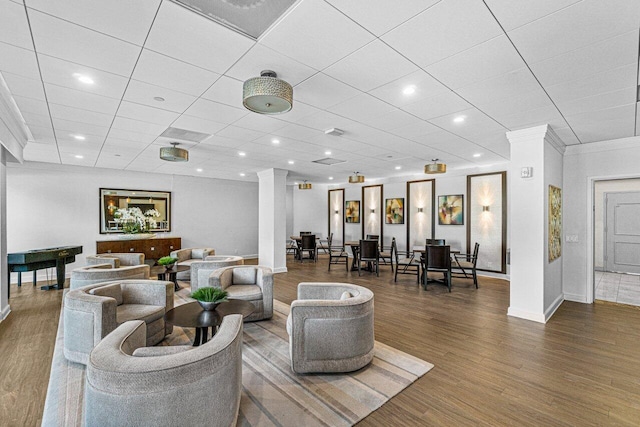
(14, 132)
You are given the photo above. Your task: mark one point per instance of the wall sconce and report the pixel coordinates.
(372, 210)
(420, 210)
(336, 212)
(485, 208)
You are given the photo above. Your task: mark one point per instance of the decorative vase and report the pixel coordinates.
(208, 305)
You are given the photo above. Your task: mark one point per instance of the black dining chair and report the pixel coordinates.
(337, 253)
(437, 259)
(405, 265)
(305, 233)
(369, 253)
(308, 244)
(386, 254)
(466, 264)
(436, 242)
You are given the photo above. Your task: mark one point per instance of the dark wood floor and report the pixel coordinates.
(582, 368)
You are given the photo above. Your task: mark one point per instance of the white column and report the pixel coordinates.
(536, 283)
(272, 219)
(5, 309)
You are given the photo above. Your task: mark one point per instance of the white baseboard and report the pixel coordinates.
(5, 312)
(575, 297)
(553, 307)
(280, 270)
(527, 315)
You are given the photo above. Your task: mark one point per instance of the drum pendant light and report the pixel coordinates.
(356, 179)
(304, 186)
(435, 167)
(174, 154)
(267, 94)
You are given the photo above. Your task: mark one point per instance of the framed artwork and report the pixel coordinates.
(555, 222)
(450, 210)
(394, 211)
(352, 209)
(113, 201)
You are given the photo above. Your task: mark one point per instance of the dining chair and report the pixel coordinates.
(370, 254)
(303, 233)
(437, 259)
(324, 244)
(405, 265)
(337, 253)
(466, 263)
(308, 244)
(387, 253)
(436, 242)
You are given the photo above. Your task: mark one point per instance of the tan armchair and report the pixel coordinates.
(330, 328)
(189, 255)
(117, 260)
(92, 312)
(249, 283)
(201, 270)
(100, 273)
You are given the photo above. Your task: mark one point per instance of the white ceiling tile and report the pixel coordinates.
(391, 119)
(322, 91)
(161, 70)
(595, 58)
(21, 86)
(146, 114)
(607, 81)
(599, 102)
(215, 111)
(80, 99)
(260, 57)
(294, 131)
(35, 152)
(144, 93)
(475, 125)
(80, 115)
(567, 136)
(416, 131)
(105, 17)
(525, 101)
(423, 85)
(508, 85)
(30, 105)
(371, 66)
(239, 133)
(123, 145)
(185, 35)
(303, 34)
(131, 135)
(226, 91)
(299, 111)
(447, 28)
(260, 122)
(489, 59)
(198, 124)
(324, 120)
(436, 106)
(612, 123)
(573, 27)
(137, 126)
(362, 107)
(539, 116)
(512, 15)
(43, 134)
(70, 126)
(380, 16)
(90, 140)
(64, 40)
(20, 61)
(60, 73)
(33, 119)
(14, 27)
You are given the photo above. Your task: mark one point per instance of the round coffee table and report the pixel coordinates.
(170, 274)
(191, 315)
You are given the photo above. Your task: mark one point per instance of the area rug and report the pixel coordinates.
(272, 394)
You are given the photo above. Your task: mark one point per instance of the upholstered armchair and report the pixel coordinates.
(128, 384)
(117, 260)
(249, 283)
(201, 270)
(330, 328)
(100, 273)
(188, 256)
(93, 311)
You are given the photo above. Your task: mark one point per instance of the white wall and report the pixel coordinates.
(4, 297)
(54, 205)
(310, 210)
(583, 164)
(552, 270)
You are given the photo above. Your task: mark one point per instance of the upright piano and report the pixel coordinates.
(42, 258)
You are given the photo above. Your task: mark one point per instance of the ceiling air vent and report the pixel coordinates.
(185, 135)
(329, 161)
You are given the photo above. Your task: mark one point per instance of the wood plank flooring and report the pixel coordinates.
(582, 368)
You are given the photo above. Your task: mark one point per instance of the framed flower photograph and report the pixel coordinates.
(394, 211)
(451, 210)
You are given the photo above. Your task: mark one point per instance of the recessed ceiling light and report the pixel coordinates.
(79, 156)
(199, 170)
(409, 90)
(275, 141)
(459, 119)
(398, 167)
(241, 153)
(79, 137)
(328, 153)
(330, 178)
(291, 162)
(477, 155)
(158, 98)
(243, 174)
(83, 79)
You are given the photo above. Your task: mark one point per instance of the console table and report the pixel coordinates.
(151, 248)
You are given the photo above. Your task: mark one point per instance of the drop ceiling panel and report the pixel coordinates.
(147, 114)
(14, 27)
(144, 93)
(80, 115)
(64, 40)
(392, 119)
(226, 91)
(182, 34)
(525, 101)
(131, 135)
(105, 17)
(18, 61)
(600, 125)
(599, 102)
(198, 124)
(422, 84)
(70, 126)
(34, 106)
(299, 111)
(260, 122)
(436, 106)
(475, 125)
(137, 126)
(524, 12)
(217, 112)
(35, 152)
(322, 91)
(415, 132)
(525, 119)
(567, 136)
(21, 86)
(506, 86)
(607, 81)
(361, 107)
(241, 134)
(79, 99)
(43, 134)
(33, 119)
(443, 30)
(161, 70)
(371, 66)
(303, 34)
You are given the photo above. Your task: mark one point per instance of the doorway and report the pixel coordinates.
(617, 241)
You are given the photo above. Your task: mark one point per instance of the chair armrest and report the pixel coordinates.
(181, 254)
(221, 278)
(150, 292)
(161, 350)
(78, 303)
(321, 291)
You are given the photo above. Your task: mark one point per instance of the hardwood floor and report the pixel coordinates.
(582, 368)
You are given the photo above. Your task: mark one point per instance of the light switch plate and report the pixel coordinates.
(526, 172)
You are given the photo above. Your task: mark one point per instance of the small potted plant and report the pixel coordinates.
(209, 298)
(167, 261)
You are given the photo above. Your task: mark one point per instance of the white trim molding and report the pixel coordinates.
(527, 315)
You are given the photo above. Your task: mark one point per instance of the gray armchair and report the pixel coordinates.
(330, 328)
(249, 283)
(100, 273)
(93, 311)
(117, 260)
(188, 256)
(201, 270)
(130, 385)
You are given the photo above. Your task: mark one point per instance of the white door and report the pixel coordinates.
(622, 232)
